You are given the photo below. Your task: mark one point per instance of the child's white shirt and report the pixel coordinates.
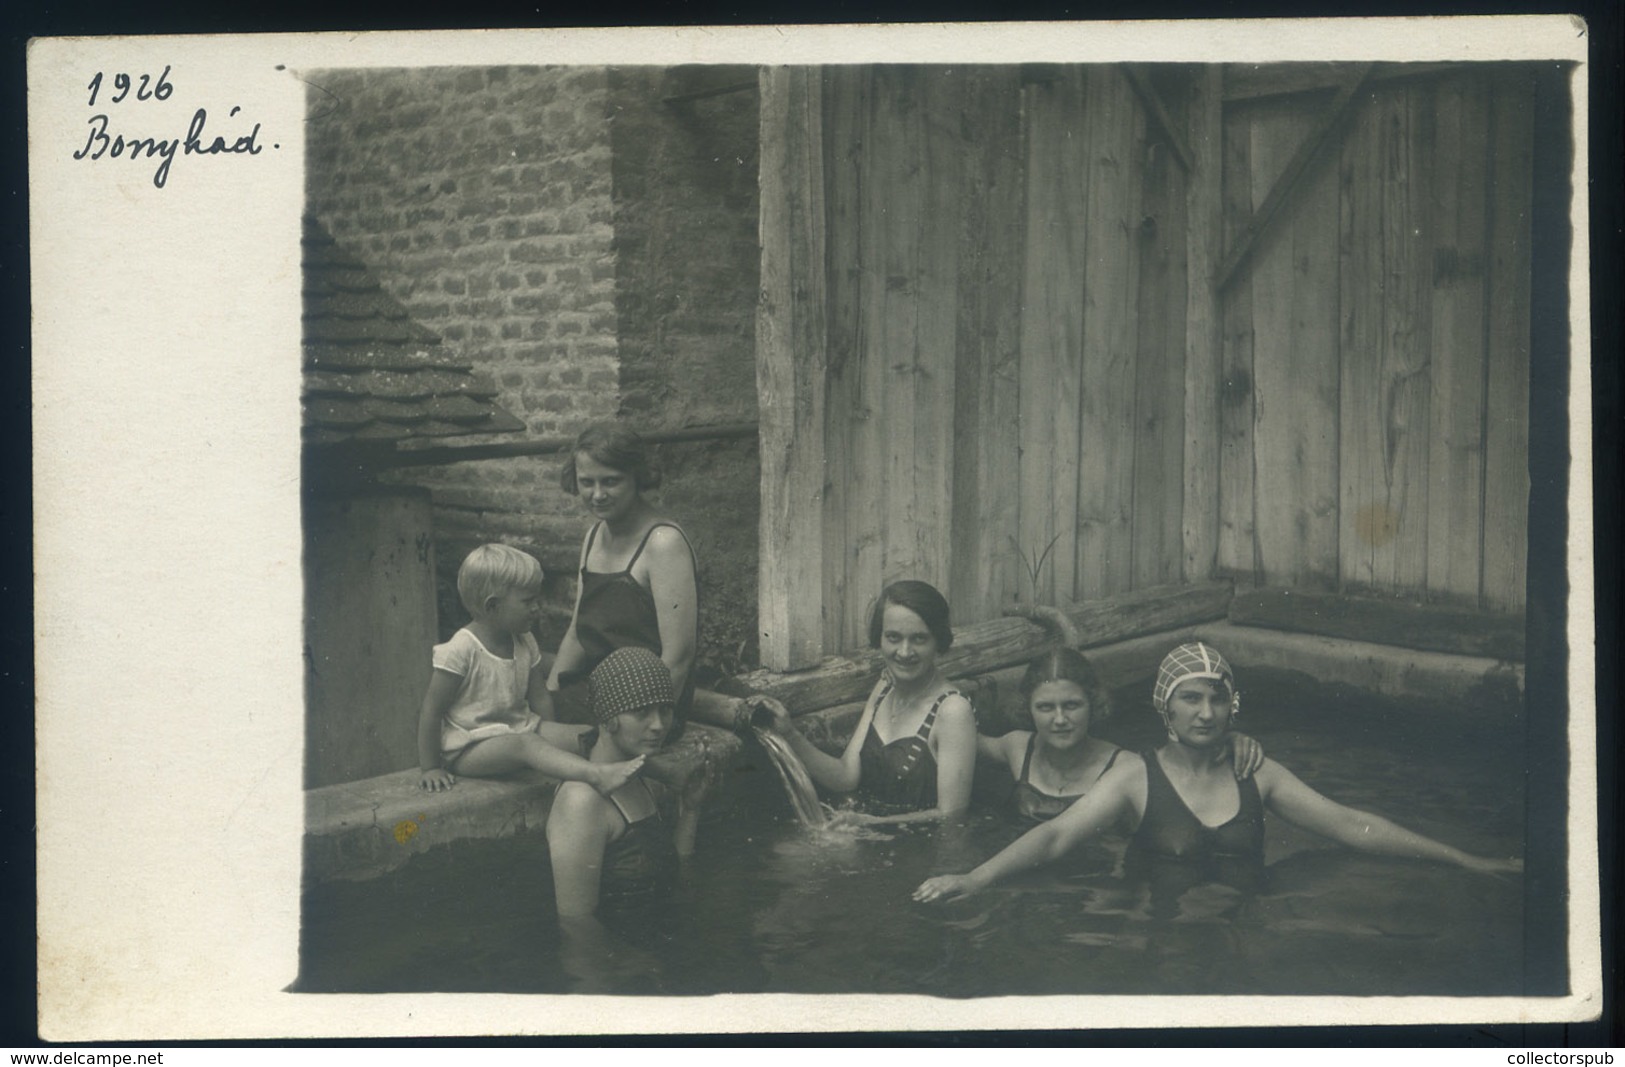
(491, 699)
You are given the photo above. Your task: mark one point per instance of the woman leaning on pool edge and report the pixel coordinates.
(1187, 806)
(914, 748)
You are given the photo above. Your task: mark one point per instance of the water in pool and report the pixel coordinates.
(772, 905)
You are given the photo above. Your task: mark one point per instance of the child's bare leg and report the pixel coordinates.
(507, 753)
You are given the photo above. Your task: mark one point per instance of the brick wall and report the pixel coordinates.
(590, 248)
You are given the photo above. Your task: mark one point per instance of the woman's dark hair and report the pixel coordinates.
(923, 600)
(1067, 665)
(616, 447)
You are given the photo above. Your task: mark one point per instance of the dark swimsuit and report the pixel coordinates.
(617, 611)
(901, 774)
(640, 866)
(1029, 803)
(1174, 850)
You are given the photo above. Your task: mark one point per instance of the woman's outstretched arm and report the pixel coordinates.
(1286, 795)
(1112, 797)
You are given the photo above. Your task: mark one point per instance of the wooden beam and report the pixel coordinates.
(990, 645)
(420, 455)
(1247, 83)
(1308, 152)
(790, 367)
(1159, 114)
(1407, 624)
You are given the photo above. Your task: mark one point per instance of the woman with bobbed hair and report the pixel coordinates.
(913, 753)
(637, 586)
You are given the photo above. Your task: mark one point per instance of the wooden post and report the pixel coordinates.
(790, 366)
(1203, 325)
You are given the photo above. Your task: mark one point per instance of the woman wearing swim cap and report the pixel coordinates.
(1193, 819)
(614, 855)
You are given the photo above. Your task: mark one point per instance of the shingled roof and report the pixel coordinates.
(372, 376)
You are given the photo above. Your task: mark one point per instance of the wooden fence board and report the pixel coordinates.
(1404, 384)
(790, 328)
(1203, 325)
(1104, 463)
(1156, 514)
(896, 204)
(988, 322)
(842, 160)
(1384, 387)
(1056, 153)
(867, 474)
(1456, 408)
(942, 164)
(1506, 437)
(1237, 543)
(1276, 133)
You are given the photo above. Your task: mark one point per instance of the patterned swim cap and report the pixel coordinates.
(1194, 660)
(626, 680)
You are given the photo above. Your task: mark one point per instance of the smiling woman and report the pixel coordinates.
(914, 749)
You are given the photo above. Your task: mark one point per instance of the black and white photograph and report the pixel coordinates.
(1031, 516)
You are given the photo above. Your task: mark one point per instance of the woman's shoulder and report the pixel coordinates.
(580, 804)
(954, 713)
(666, 539)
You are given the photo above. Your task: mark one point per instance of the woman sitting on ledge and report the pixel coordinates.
(913, 753)
(1195, 822)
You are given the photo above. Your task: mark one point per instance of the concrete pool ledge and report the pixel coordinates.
(1390, 670)
(358, 830)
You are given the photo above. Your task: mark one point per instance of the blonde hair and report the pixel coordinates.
(493, 570)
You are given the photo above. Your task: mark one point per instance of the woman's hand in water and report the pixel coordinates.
(848, 818)
(945, 887)
(1490, 865)
(1246, 755)
(437, 780)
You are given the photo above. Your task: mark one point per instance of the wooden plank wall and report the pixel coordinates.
(1011, 316)
(1374, 424)
(1007, 293)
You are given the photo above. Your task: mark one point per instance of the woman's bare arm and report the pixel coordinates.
(1287, 796)
(1120, 791)
(676, 595)
(578, 831)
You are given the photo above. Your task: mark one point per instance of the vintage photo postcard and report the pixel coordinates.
(963, 527)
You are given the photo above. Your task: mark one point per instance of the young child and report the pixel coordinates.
(486, 711)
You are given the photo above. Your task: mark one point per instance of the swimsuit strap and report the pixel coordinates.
(592, 535)
(650, 533)
(627, 819)
(1109, 761)
(924, 732)
(1026, 761)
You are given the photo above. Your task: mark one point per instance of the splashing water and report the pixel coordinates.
(797, 784)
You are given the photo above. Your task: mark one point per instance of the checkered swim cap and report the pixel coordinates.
(626, 680)
(1195, 660)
